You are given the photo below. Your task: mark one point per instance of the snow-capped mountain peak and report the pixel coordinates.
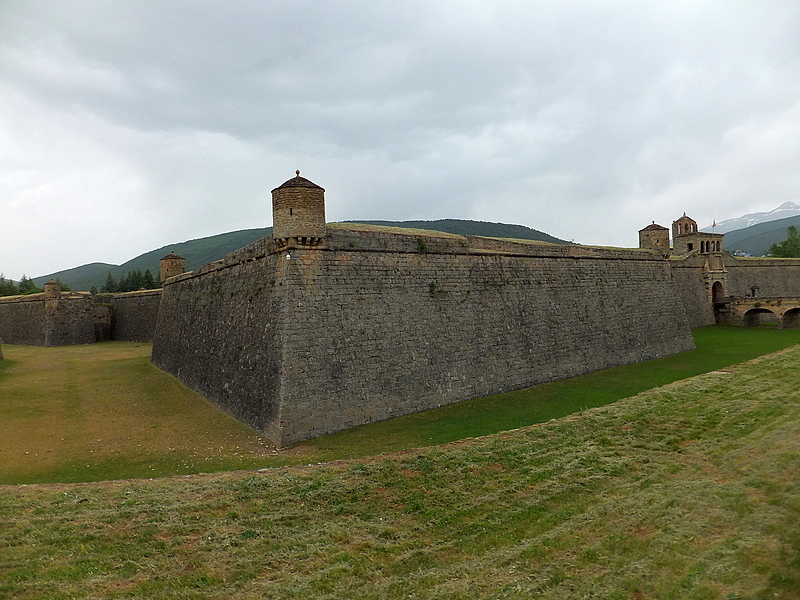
(787, 209)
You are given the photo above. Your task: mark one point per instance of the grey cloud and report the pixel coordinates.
(527, 111)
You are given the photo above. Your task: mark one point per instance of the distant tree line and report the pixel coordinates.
(25, 286)
(134, 280)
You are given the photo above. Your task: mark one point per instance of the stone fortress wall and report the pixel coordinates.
(692, 288)
(132, 315)
(379, 324)
(38, 320)
(770, 276)
(22, 320)
(298, 340)
(55, 318)
(77, 318)
(323, 327)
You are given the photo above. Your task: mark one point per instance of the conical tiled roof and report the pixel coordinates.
(299, 182)
(654, 227)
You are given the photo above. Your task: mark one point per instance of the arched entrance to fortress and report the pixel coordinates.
(791, 319)
(717, 292)
(759, 316)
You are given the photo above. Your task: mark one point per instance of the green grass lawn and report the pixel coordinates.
(102, 411)
(686, 491)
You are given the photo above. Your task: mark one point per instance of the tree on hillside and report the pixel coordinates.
(26, 286)
(7, 287)
(110, 286)
(148, 282)
(134, 280)
(788, 248)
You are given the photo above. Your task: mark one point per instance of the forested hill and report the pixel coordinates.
(208, 249)
(757, 239)
(196, 252)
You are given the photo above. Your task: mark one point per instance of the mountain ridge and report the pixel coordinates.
(757, 239)
(785, 210)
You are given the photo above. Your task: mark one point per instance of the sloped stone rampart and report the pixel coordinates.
(377, 325)
(219, 332)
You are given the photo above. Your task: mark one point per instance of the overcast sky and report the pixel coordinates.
(129, 125)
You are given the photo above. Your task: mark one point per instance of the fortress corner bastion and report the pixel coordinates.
(322, 327)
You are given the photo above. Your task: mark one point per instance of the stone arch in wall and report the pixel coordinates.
(758, 316)
(717, 292)
(791, 319)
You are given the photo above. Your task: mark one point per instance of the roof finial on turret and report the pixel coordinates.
(298, 172)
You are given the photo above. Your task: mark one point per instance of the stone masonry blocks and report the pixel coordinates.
(378, 324)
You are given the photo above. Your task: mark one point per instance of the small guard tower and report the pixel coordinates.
(171, 265)
(655, 237)
(52, 290)
(298, 214)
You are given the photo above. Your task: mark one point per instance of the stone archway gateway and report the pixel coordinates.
(717, 293)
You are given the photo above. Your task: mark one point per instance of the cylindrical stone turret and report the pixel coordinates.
(171, 265)
(52, 290)
(298, 213)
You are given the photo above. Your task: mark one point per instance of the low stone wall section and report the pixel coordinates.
(34, 321)
(133, 314)
(774, 277)
(22, 320)
(69, 320)
(306, 342)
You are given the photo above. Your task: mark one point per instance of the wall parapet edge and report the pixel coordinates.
(422, 243)
(39, 297)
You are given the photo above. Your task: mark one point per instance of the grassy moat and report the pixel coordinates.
(688, 490)
(102, 412)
